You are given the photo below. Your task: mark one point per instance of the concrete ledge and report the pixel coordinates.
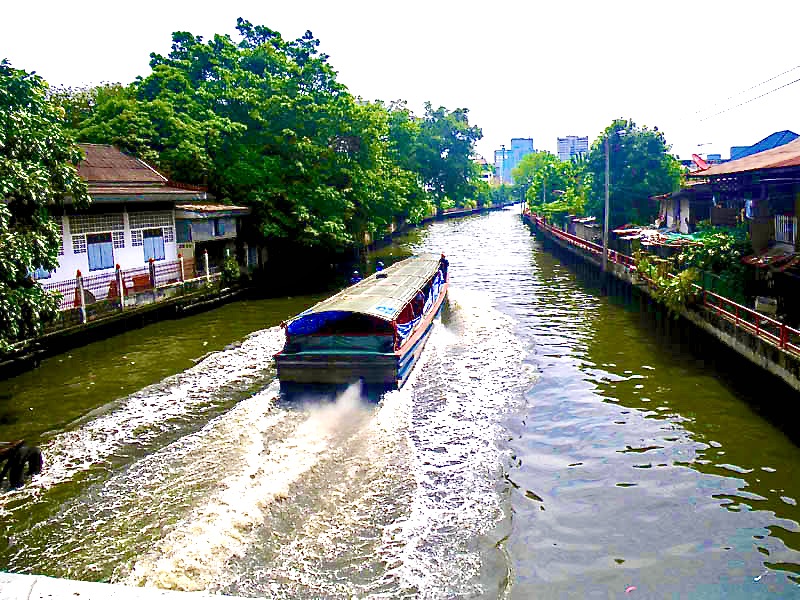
(39, 587)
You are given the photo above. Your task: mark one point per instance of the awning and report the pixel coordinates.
(775, 257)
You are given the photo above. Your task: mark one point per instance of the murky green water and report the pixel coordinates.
(553, 443)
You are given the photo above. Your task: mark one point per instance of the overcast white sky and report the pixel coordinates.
(522, 68)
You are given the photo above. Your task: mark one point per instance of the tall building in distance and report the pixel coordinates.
(572, 145)
(506, 160)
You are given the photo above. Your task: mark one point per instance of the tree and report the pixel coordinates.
(37, 172)
(444, 154)
(640, 167)
(557, 187)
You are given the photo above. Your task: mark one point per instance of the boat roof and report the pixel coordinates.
(383, 297)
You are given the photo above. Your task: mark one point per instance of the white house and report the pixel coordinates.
(131, 218)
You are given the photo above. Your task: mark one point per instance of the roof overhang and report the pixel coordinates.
(209, 211)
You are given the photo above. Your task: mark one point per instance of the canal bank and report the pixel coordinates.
(174, 301)
(764, 342)
(549, 445)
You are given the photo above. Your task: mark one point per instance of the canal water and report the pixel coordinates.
(552, 443)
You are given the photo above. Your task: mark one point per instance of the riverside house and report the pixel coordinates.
(129, 225)
(763, 190)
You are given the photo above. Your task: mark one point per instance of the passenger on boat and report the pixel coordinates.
(379, 266)
(355, 278)
(444, 263)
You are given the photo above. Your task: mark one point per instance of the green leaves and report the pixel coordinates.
(37, 171)
(640, 166)
(264, 122)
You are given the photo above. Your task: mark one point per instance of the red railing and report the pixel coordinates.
(104, 286)
(67, 289)
(764, 327)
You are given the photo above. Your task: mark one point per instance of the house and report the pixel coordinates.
(130, 224)
(205, 228)
(763, 191)
(681, 211)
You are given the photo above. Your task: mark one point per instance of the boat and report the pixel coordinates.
(372, 332)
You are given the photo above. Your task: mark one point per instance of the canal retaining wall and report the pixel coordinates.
(30, 354)
(38, 587)
(758, 347)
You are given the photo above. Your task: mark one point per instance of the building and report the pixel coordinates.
(485, 170)
(505, 161)
(130, 223)
(762, 190)
(502, 175)
(572, 145)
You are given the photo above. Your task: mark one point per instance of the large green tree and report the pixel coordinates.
(263, 121)
(640, 166)
(37, 172)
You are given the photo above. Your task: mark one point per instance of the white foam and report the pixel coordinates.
(453, 415)
(150, 412)
(193, 555)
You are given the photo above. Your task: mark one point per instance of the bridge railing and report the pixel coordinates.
(762, 326)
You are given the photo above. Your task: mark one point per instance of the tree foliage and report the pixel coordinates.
(640, 166)
(37, 172)
(554, 187)
(263, 121)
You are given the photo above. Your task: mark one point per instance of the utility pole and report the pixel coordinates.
(605, 215)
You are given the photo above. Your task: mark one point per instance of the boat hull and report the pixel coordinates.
(376, 371)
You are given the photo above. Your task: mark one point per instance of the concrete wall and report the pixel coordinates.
(37, 587)
(757, 350)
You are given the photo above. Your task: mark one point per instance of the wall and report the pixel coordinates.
(758, 351)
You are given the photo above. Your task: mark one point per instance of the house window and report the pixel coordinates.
(78, 244)
(119, 239)
(153, 244)
(219, 227)
(101, 251)
(169, 234)
(183, 231)
(61, 228)
(136, 238)
(150, 219)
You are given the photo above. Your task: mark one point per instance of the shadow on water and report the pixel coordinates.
(767, 395)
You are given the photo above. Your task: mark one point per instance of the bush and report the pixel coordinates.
(230, 271)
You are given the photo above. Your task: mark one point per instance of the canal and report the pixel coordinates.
(552, 443)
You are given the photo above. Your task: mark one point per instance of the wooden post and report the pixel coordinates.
(151, 267)
(82, 298)
(119, 288)
(180, 262)
(205, 265)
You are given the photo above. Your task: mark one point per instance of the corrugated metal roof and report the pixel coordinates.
(211, 208)
(106, 164)
(787, 155)
(383, 297)
(774, 140)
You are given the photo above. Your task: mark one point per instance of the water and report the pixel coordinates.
(551, 443)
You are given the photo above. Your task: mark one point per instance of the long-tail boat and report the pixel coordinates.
(372, 332)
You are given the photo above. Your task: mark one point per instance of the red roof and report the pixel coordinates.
(787, 155)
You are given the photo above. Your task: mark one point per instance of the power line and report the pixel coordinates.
(751, 88)
(751, 100)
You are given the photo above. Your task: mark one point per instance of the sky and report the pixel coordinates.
(522, 68)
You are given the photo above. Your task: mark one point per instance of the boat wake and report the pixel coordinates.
(326, 498)
(124, 429)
